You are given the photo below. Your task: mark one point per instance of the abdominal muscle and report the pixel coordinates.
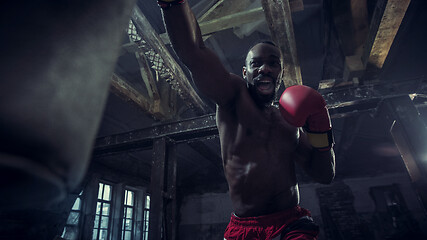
(258, 164)
(257, 190)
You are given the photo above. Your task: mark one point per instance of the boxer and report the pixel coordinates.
(260, 143)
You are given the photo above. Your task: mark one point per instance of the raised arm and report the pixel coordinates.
(208, 73)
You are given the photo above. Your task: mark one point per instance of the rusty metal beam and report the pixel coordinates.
(279, 19)
(170, 194)
(388, 16)
(181, 131)
(176, 76)
(157, 186)
(341, 103)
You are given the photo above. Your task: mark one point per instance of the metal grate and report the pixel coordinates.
(133, 34)
(156, 63)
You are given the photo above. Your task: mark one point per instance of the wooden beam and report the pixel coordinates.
(223, 8)
(230, 21)
(124, 90)
(352, 25)
(279, 19)
(229, 14)
(218, 17)
(388, 16)
(176, 78)
(147, 76)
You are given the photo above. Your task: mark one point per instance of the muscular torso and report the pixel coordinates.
(257, 150)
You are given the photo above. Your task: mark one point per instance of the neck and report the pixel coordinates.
(262, 102)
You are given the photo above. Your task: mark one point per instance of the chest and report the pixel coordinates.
(276, 137)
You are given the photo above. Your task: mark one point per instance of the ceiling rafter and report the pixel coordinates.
(279, 19)
(223, 8)
(147, 76)
(386, 21)
(229, 14)
(352, 26)
(173, 73)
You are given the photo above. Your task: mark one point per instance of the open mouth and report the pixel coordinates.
(265, 85)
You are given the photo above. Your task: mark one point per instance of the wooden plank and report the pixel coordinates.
(279, 19)
(388, 16)
(177, 77)
(124, 90)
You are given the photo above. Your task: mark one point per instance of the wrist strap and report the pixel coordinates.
(167, 4)
(322, 141)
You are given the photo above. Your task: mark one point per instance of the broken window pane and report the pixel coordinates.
(73, 218)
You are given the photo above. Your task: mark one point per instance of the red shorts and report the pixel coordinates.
(294, 223)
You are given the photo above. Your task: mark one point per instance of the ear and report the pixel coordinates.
(244, 71)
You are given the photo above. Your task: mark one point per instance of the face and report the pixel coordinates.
(262, 71)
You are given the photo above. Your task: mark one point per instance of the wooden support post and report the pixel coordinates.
(279, 19)
(163, 191)
(410, 136)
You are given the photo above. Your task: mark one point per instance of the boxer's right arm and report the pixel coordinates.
(209, 75)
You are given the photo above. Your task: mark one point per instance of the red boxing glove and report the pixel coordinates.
(303, 106)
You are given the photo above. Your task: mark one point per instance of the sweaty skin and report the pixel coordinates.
(258, 147)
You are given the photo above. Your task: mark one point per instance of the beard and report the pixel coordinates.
(260, 99)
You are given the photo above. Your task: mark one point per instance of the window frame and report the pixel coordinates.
(124, 216)
(102, 201)
(146, 217)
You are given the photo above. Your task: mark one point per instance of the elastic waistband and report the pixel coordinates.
(270, 219)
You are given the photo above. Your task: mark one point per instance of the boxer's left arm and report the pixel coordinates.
(320, 165)
(304, 107)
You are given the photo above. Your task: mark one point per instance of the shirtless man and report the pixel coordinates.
(260, 143)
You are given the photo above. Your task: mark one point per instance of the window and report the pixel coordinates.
(71, 229)
(102, 216)
(146, 218)
(128, 215)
